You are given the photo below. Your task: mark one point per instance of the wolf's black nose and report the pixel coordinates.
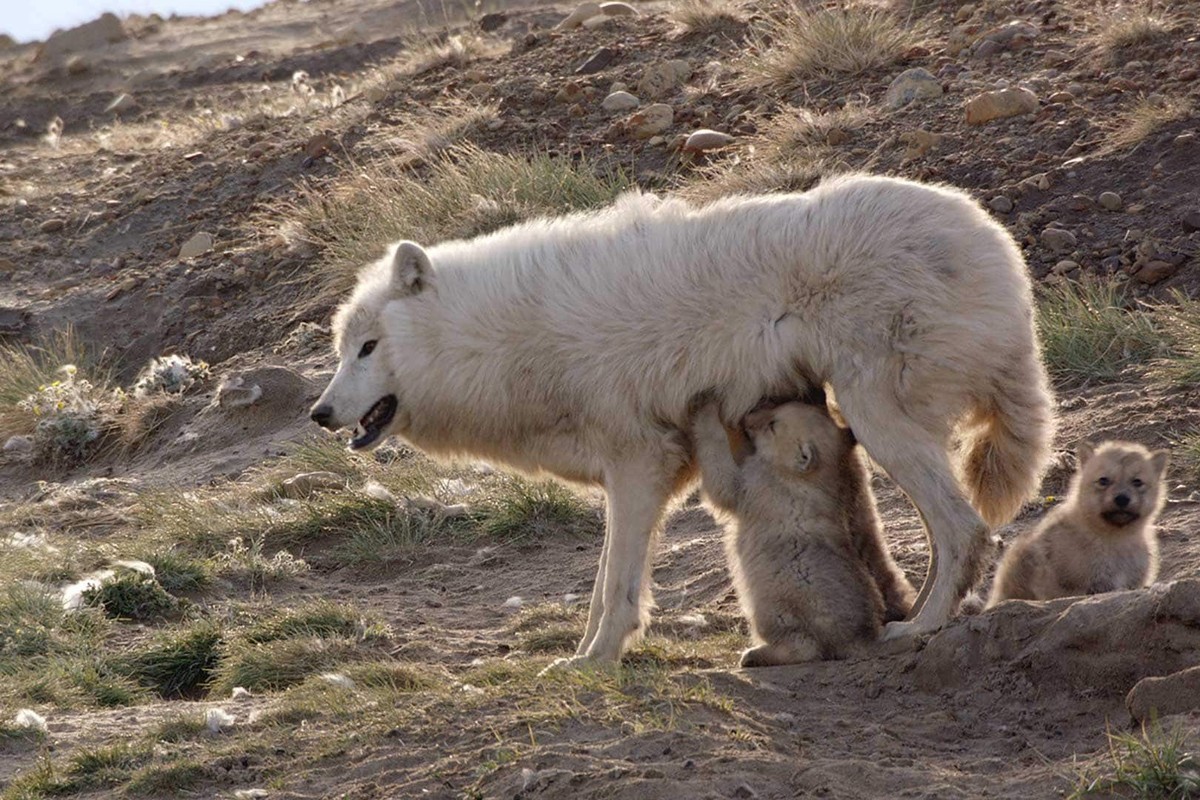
(322, 415)
(1121, 500)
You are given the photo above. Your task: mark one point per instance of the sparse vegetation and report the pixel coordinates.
(454, 50)
(1150, 764)
(178, 663)
(519, 509)
(278, 664)
(1090, 331)
(1146, 117)
(132, 595)
(803, 42)
(467, 191)
(1130, 30)
(703, 17)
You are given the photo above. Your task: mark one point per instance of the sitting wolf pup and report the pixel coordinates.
(1101, 539)
(804, 536)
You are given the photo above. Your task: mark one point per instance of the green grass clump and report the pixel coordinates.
(166, 780)
(519, 509)
(1091, 332)
(177, 571)
(1151, 764)
(131, 595)
(177, 664)
(274, 665)
(323, 619)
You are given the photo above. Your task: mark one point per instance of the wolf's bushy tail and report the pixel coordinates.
(1008, 444)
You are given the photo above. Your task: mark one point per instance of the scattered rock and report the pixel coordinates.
(620, 101)
(53, 225)
(217, 720)
(1009, 36)
(198, 245)
(235, 392)
(19, 444)
(13, 320)
(121, 104)
(1058, 240)
(660, 80)
(598, 60)
(1065, 266)
(89, 36)
(650, 121)
(704, 140)
(584, 11)
(492, 22)
(1110, 201)
(570, 92)
(1191, 221)
(912, 84)
(744, 791)
(7, 265)
(1153, 272)
(317, 146)
(1000, 204)
(618, 9)
(999, 104)
(1176, 693)
(1061, 97)
(919, 142)
(513, 603)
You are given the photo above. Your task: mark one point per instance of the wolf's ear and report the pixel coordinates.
(1158, 460)
(806, 457)
(1083, 452)
(411, 269)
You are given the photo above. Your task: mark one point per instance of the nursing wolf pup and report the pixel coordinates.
(1101, 539)
(575, 346)
(790, 539)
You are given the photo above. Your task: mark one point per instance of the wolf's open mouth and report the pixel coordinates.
(1119, 517)
(374, 423)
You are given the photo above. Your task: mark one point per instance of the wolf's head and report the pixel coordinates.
(1120, 483)
(798, 438)
(363, 394)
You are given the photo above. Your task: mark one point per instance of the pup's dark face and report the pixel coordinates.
(1120, 483)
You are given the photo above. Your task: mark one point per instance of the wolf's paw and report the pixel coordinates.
(906, 630)
(568, 663)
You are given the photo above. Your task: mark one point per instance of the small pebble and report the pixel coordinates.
(1110, 201)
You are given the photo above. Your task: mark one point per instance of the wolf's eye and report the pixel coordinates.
(1137, 483)
(368, 348)
(1103, 482)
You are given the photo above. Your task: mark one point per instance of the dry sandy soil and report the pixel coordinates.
(277, 133)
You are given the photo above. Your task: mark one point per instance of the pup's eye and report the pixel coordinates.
(1137, 483)
(368, 348)
(1103, 482)
(771, 426)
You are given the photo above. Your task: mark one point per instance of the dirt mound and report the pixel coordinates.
(1101, 645)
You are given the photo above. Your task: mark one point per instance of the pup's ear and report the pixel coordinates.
(758, 421)
(1083, 452)
(806, 457)
(411, 269)
(1158, 460)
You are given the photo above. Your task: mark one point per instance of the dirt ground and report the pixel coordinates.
(224, 136)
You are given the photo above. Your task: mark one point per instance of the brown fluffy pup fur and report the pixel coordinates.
(803, 536)
(1101, 539)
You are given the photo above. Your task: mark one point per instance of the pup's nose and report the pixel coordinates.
(1121, 500)
(322, 415)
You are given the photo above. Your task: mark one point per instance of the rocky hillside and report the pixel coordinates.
(199, 594)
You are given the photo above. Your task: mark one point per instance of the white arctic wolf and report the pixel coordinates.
(578, 347)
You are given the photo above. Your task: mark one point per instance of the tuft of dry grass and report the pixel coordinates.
(1145, 118)
(465, 192)
(1130, 30)
(703, 17)
(803, 43)
(456, 50)
(801, 132)
(761, 176)
(24, 369)
(1151, 764)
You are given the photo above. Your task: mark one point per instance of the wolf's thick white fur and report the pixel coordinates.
(577, 346)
